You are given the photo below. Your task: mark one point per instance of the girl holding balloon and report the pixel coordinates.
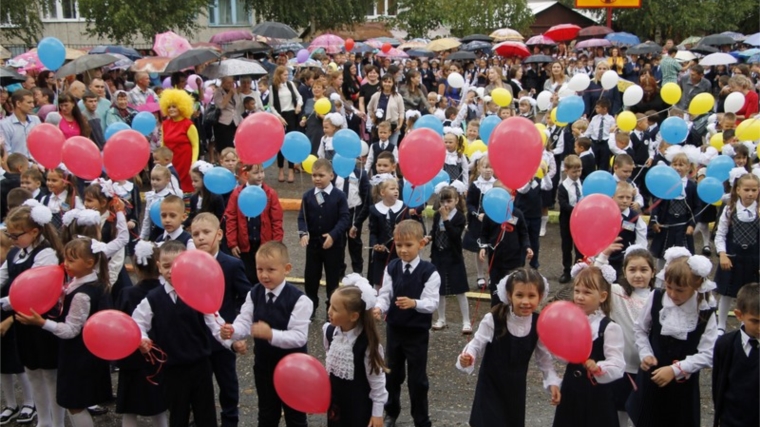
(202, 199)
(62, 196)
(482, 180)
(331, 124)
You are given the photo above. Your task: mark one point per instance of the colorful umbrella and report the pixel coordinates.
(394, 54)
(414, 44)
(540, 40)
(753, 40)
(27, 61)
(231, 36)
(591, 43)
(382, 40)
(623, 39)
(122, 64)
(562, 32)
(170, 44)
(508, 49)
(594, 31)
(506, 34)
(151, 64)
(443, 44)
(121, 50)
(477, 38)
(206, 45)
(754, 59)
(331, 43)
(274, 30)
(374, 44)
(717, 58)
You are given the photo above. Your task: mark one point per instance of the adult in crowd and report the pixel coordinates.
(692, 85)
(29, 84)
(387, 105)
(46, 79)
(98, 87)
(616, 62)
(311, 122)
(351, 83)
(428, 76)
(599, 56)
(595, 91)
(179, 133)
(120, 111)
(16, 127)
(557, 80)
(496, 80)
(450, 94)
(72, 123)
(515, 79)
(334, 83)
(285, 102)
(414, 93)
(307, 78)
(77, 90)
(369, 88)
(141, 92)
(94, 119)
(651, 99)
(743, 84)
(42, 96)
(670, 67)
(246, 91)
(230, 104)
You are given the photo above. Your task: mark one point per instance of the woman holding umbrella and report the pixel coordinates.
(285, 102)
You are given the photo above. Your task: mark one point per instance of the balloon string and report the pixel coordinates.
(483, 288)
(155, 356)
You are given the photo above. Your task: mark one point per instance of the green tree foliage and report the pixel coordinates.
(21, 19)
(319, 15)
(418, 17)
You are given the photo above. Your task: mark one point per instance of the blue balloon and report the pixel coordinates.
(52, 53)
(429, 121)
(155, 214)
(570, 109)
(144, 122)
(347, 143)
(720, 167)
(343, 166)
(710, 189)
(252, 201)
(498, 205)
(296, 147)
(664, 182)
(599, 182)
(113, 128)
(442, 176)
(414, 197)
(674, 130)
(219, 180)
(269, 162)
(487, 126)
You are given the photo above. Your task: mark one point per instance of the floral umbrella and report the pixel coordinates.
(507, 34)
(170, 44)
(331, 43)
(27, 61)
(122, 64)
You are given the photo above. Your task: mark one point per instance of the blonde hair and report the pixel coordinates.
(592, 278)
(178, 98)
(572, 161)
(409, 228)
(274, 250)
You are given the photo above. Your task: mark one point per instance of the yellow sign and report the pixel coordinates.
(589, 4)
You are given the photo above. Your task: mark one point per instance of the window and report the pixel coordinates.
(229, 12)
(383, 8)
(61, 10)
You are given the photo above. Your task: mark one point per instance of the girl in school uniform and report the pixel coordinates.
(736, 242)
(383, 217)
(675, 336)
(159, 182)
(529, 200)
(62, 196)
(506, 339)
(354, 357)
(481, 180)
(332, 123)
(135, 395)
(83, 379)
(202, 199)
(586, 388)
(455, 164)
(446, 253)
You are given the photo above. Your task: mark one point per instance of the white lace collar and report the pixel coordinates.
(519, 326)
(340, 356)
(678, 320)
(77, 282)
(632, 304)
(123, 190)
(383, 209)
(484, 185)
(452, 158)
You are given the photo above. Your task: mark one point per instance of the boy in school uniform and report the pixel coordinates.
(277, 314)
(408, 298)
(207, 235)
(31, 180)
(163, 156)
(17, 164)
(633, 230)
(622, 169)
(356, 188)
(586, 156)
(735, 383)
(384, 134)
(172, 216)
(569, 194)
(323, 222)
(599, 132)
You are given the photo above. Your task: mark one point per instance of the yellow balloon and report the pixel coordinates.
(501, 97)
(626, 121)
(542, 130)
(322, 106)
(308, 163)
(717, 141)
(718, 203)
(748, 130)
(553, 115)
(701, 104)
(540, 171)
(476, 146)
(670, 93)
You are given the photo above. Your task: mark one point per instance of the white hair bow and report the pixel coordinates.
(608, 272)
(144, 252)
(70, 216)
(411, 113)
(501, 289)
(106, 187)
(335, 118)
(455, 130)
(377, 179)
(202, 166)
(40, 213)
(369, 295)
(88, 217)
(735, 174)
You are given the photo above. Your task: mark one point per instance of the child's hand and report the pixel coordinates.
(482, 255)
(380, 248)
(261, 330)
(131, 225)
(145, 345)
(635, 206)
(556, 395)
(465, 360)
(529, 255)
(413, 212)
(481, 216)
(240, 347)
(656, 228)
(33, 319)
(648, 363)
(426, 239)
(6, 325)
(689, 230)
(725, 261)
(235, 252)
(444, 211)
(304, 240)
(614, 247)
(405, 303)
(328, 241)
(591, 366)
(352, 232)
(663, 376)
(376, 422)
(648, 163)
(377, 313)
(226, 331)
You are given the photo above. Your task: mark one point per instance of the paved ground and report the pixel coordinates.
(451, 391)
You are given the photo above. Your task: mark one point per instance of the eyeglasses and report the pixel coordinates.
(14, 236)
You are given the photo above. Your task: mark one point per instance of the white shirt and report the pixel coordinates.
(639, 226)
(326, 144)
(484, 185)
(569, 185)
(44, 257)
(78, 312)
(744, 213)
(625, 310)
(115, 249)
(175, 234)
(327, 189)
(150, 198)
(519, 326)
(746, 346)
(428, 301)
(59, 202)
(297, 333)
(371, 155)
(605, 122)
(174, 184)
(377, 393)
(613, 365)
(353, 197)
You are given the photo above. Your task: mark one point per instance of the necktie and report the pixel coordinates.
(753, 348)
(601, 130)
(408, 270)
(577, 192)
(270, 297)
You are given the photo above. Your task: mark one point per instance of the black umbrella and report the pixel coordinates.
(85, 63)
(538, 59)
(360, 47)
(717, 40)
(704, 49)
(191, 58)
(462, 55)
(644, 49)
(287, 47)
(274, 30)
(477, 38)
(126, 51)
(8, 76)
(242, 46)
(420, 53)
(476, 45)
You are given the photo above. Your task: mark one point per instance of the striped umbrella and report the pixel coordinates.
(506, 34)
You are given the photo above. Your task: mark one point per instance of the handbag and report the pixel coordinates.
(211, 117)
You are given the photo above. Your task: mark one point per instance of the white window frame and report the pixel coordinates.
(374, 9)
(213, 19)
(55, 15)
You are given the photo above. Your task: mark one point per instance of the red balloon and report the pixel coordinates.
(386, 47)
(563, 328)
(111, 335)
(595, 223)
(349, 45)
(422, 155)
(45, 143)
(515, 150)
(259, 137)
(82, 157)
(37, 289)
(302, 383)
(126, 154)
(198, 280)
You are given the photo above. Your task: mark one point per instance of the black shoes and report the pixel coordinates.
(565, 278)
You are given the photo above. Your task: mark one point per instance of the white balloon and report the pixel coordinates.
(633, 95)
(544, 100)
(734, 102)
(456, 80)
(365, 148)
(609, 79)
(579, 82)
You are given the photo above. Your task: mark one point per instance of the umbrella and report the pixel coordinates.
(704, 49)
(753, 40)
(420, 53)
(540, 40)
(685, 55)
(231, 36)
(151, 64)
(594, 31)
(477, 38)
(749, 52)
(360, 47)
(394, 54)
(242, 46)
(121, 50)
(206, 45)
(8, 76)
(506, 34)
(85, 63)
(287, 47)
(476, 45)
(5, 53)
(443, 44)
(27, 61)
(414, 44)
(754, 59)
(274, 30)
(191, 58)
(331, 43)
(736, 36)
(309, 63)
(122, 64)
(462, 55)
(691, 40)
(511, 49)
(623, 39)
(170, 44)
(645, 48)
(590, 43)
(562, 32)
(716, 40)
(717, 58)
(235, 67)
(71, 54)
(538, 59)
(382, 40)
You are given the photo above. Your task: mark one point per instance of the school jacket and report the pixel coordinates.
(237, 222)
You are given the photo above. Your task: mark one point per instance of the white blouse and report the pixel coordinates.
(744, 213)
(78, 312)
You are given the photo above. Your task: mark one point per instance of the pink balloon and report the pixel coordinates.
(421, 156)
(45, 143)
(259, 137)
(207, 98)
(82, 157)
(111, 335)
(198, 280)
(302, 383)
(565, 331)
(167, 83)
(37, 289)
(515, 150)
(191, 81)
(595, 223)
(126, 154)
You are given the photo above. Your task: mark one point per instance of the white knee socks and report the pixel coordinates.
(82, 419)
(482, 268)
(442, 309)
(703, 229)
(129, 420)
(160, 420)
(26, 388)
(544, 221)
(724, 306)
(623, 418)
(464, 307)
(43, 382)
(9, 394)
